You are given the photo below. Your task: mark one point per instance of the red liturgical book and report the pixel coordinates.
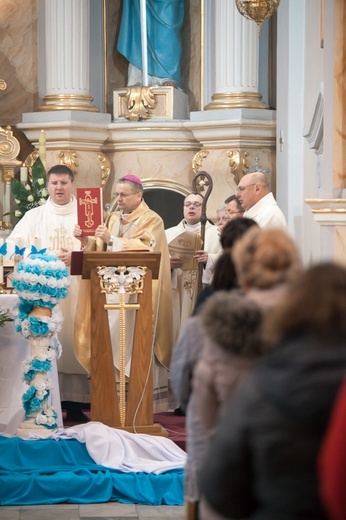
(90, 209)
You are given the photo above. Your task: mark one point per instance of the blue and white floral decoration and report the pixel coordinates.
(41, 281)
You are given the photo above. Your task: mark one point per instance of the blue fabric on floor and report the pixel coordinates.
(51, 472)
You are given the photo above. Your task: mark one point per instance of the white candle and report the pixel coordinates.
(23, 173)
(42, 147)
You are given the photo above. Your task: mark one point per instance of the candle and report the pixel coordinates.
(23, 174)
(42, 147)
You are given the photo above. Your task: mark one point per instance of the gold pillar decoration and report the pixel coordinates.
(105, 166)
(69, 159)
(257, 10)
(198, 160)
(237, 162)
(9, 150)
(29, 162)
(121, 280)
(67, 102)
(3, 84)
(139, 101)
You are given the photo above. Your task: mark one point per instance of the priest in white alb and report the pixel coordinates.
(184, 280)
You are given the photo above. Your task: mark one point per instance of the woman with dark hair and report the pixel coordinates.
(224, 276)
(262, 460)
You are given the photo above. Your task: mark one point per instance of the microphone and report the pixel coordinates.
(152, 240)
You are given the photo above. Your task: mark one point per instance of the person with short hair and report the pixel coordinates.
(134, 226)
(184, 282)
(234, 207)
(258, 203)
(221, 217)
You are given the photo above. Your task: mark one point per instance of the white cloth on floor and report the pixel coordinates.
(128, 452)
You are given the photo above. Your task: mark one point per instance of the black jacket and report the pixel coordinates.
(262, 459)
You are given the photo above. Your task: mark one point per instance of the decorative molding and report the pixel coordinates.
(236, 100)
(105, 166)
(70, 159)
(328, 212)
(198, 159)
(314, 135)
(139, 100)
(9, 146)
(150, 103)
(166, 184)
(237, 163)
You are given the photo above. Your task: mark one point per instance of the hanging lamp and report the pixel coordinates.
(257, 10)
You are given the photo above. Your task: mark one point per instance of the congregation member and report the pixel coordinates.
(266, 262)
(233, 345)
(258, 202)
(262, 462)
(51, 225)
(332, 459)
(184, 282)
(133, 226)
(224, 276)
(191, 341)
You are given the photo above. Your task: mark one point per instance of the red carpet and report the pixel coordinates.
(175, 426)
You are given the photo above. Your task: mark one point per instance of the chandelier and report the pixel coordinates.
(257, 10)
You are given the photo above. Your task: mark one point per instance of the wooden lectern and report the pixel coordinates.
(104, 400)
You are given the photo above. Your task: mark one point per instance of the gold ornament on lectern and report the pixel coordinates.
(121, 280)
(257, 10)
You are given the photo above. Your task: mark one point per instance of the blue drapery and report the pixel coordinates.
(50, 472)
(164, 22)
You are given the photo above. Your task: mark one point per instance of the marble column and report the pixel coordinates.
(67, 35)
(232, 61)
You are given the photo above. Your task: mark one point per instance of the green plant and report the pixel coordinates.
(32, 193)
(4, 318)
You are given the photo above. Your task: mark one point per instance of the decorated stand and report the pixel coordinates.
(41, 282)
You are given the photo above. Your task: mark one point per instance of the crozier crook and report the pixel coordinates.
(200, 183)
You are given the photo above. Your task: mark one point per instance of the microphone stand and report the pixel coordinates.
(200, 183)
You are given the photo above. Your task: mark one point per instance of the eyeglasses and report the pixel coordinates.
(239, 189)
(194, 204)
(234, 212)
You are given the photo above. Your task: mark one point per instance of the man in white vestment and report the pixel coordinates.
(257, 200)
(134, 226)
(51, 225)
(184, 282)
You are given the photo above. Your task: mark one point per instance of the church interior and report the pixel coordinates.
(268, 98)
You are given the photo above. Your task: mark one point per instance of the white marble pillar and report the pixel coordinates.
(231, 57)
(67, 41)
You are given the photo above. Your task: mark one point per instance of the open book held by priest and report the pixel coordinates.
(184, 246)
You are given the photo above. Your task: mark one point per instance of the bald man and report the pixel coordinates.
(258, 202)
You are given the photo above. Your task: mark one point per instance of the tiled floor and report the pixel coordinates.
(109, 511)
